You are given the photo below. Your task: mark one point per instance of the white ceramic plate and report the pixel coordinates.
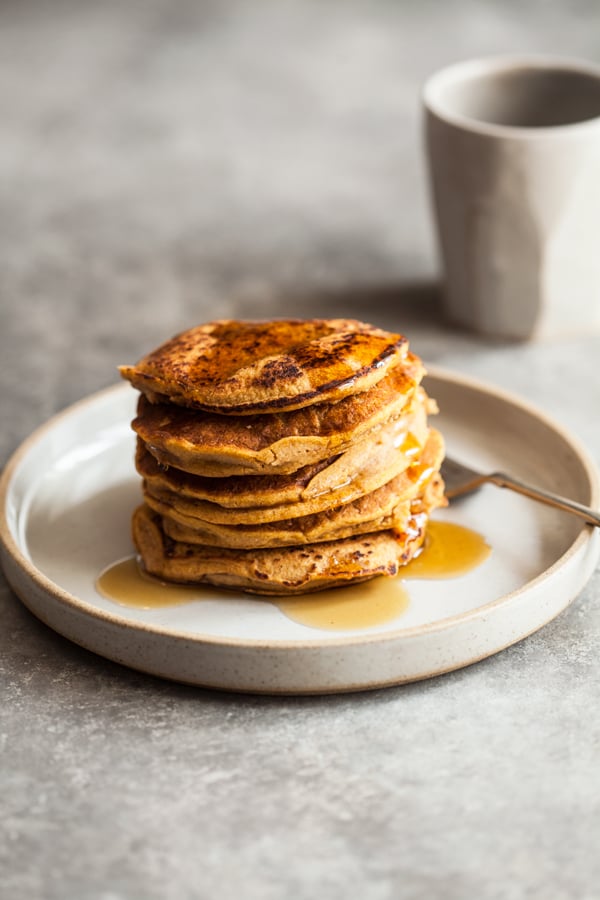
(66, 498)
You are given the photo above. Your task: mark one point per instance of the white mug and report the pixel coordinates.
(514, 157)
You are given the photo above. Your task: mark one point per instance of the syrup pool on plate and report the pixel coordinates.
(450, 550)
(126, 583)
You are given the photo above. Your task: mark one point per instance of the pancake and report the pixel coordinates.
(230, 491)
(240, 368)
(290, 570)
(218, 446)
(247, 498)
(307, 530)
(385, 508)
(283, 457)
(366, 516)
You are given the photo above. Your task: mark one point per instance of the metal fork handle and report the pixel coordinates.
(578, 509)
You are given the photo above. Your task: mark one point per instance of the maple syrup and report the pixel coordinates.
(357, 606)
(126, 583)
(450, 550)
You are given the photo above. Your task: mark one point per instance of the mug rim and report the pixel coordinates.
(498, 64)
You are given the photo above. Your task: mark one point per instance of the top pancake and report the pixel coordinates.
(242, 368)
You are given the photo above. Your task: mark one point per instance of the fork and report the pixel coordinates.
(461, 479)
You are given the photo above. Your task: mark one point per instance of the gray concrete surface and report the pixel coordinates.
(165, 162)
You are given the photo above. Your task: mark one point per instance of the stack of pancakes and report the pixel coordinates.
(283, 457)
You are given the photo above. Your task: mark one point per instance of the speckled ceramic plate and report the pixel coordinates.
(66, 498)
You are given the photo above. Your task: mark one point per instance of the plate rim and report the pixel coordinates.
(82, 607)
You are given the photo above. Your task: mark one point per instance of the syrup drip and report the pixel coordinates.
(450, 551)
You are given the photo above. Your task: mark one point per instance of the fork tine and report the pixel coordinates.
(459, 478)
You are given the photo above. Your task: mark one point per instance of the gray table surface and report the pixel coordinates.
(162, 163)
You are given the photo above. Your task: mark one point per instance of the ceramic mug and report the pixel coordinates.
(514, 156)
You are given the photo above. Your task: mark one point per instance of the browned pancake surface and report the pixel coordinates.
(240, 368)
(283, 457)
(289, 570)
(213, 445)
(296, 523)
(384, 508)
(365, 466)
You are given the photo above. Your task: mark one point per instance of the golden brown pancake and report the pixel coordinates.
(240, 368)
(217, 446)
(387, 507)
(363, 468)
(289, 570)
(230, 491)
(307, 530)
(284, 456)
(362, 517)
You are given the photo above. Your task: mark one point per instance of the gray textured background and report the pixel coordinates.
(166, 162)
